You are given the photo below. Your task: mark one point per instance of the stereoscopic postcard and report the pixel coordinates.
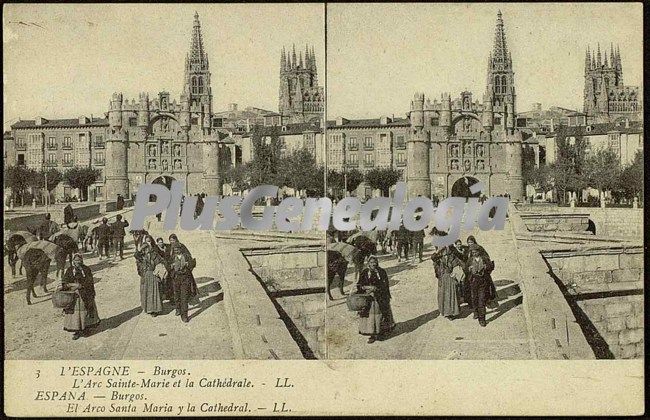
(323, 209)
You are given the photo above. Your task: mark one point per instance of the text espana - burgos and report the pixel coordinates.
(295, 214)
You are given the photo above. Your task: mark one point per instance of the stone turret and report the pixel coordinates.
(488, 112)
(417, 149)
(445, 111)
(143, 111)
(115, 111)
(117, 180)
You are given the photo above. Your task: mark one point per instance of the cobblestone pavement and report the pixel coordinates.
(421, 333)
(36, 331)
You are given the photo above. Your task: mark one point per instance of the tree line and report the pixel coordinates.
(577, 168)
(272, 164)
(21, 179)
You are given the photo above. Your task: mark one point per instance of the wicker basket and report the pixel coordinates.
(358, 301)
(63, 299)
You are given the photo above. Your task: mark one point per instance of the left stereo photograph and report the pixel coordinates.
(212, 99)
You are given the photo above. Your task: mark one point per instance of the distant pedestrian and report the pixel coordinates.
(417, 243)
(403, 243)
(104, 233)
(83, 314)
(118, 234)
(119, 204)
(68, 214)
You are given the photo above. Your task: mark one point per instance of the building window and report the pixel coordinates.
(401, 159)
(99, 158)
(67, 143)
(67, 159)
(354, 144)
(399, 142)
(99, 142)
(21, 159)
(51, 143)
(20, 144)
(367, 143)
(354, 159)
(51, 159)
(133, 121)
(368, 160)
(194, 84)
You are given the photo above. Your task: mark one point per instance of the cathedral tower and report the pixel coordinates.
(300, 97)
(197, 75)
(605, 96)
(501, 78)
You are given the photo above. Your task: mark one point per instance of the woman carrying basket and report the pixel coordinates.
(82, 313)
(377, 318)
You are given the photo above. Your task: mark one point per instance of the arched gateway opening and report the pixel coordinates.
(165, 180)
(461, 187)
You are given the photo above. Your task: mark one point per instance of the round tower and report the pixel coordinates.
(117, 180)
(417, 161)
(115, 111)
(514, 164)
(211, 164)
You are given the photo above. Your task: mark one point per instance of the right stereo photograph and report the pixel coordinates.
(512, 135)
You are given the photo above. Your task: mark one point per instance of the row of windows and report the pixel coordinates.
(52, 144)
(68, 160)
(369, 160)
(368, 142)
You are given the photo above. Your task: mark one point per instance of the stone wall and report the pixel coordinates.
(550, 222)
(294, 277)
(619, 321)
(83, 212)
(609, 221)
(606, 284)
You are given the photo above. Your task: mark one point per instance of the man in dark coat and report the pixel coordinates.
(491, 293)
(118, 234)
(103, 233)
(119, 202)
(184, 284)
(403, 242)
(68, 214)
(417, 243)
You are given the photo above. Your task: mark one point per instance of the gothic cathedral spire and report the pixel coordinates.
(196, 91)
(500, 77)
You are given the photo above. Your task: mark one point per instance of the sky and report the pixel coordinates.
(65, 60)
(379, 55)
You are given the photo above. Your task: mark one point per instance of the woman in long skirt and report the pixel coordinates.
(377, 319)
(148, 259)
(445, 261)
(82, 315)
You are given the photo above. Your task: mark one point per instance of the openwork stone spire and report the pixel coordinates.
(198, 59)
(500, 51)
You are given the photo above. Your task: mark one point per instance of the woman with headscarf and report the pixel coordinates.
(448, 268)
(377, 319)
(167, 287)
(477, 271)
(82, 314)
(150, 262)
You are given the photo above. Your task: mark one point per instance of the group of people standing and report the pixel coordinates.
(464, 276)
(109, 237)
(165, 272)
